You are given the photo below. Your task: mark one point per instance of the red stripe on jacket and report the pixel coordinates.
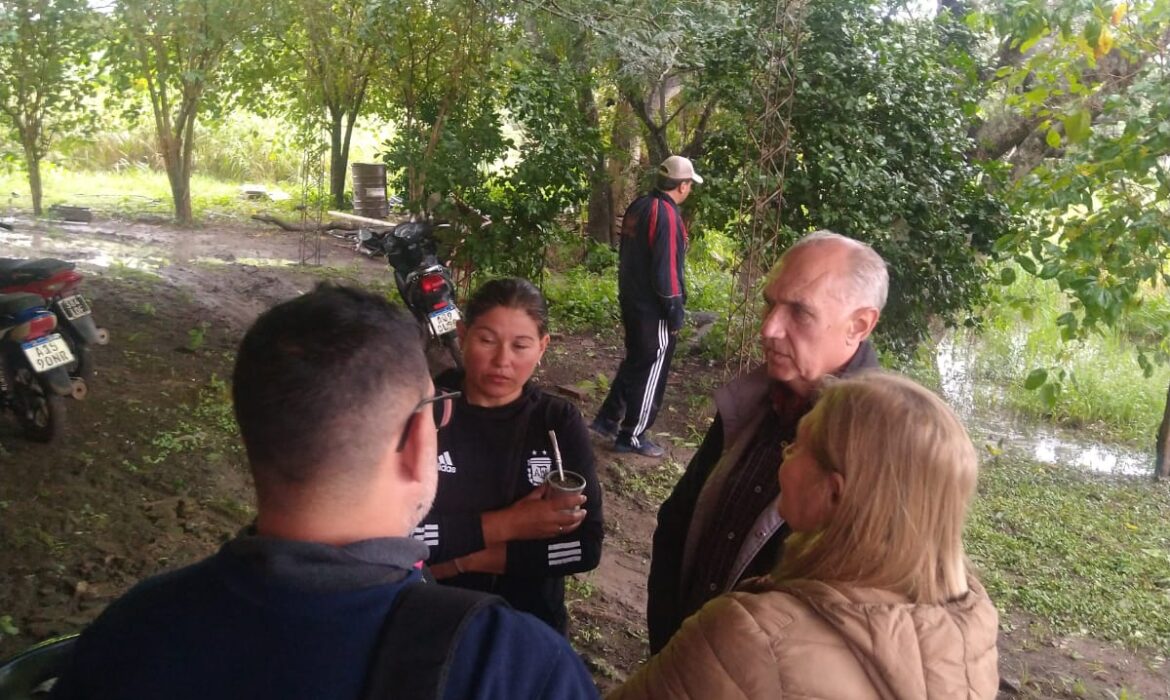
(673, 224)
(652, 227)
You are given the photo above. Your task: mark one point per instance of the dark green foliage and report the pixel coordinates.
(546, 173)
(880, 154)
(879, 151)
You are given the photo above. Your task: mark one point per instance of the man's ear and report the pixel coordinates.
(862, 323)
(418, 458)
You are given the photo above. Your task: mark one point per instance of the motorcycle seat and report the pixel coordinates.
(12, 304)
(16, 270)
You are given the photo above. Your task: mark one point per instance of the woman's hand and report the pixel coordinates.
(534, 517)
(490, 560)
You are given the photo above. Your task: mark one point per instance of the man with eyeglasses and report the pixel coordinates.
(338, 417)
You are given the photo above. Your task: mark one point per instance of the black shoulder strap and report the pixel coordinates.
(418, 641)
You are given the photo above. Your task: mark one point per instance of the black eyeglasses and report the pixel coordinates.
(440, 404)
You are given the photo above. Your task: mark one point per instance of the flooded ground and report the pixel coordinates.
(197, 260)
(996, 426)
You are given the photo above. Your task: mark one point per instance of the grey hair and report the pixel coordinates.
(868, 275)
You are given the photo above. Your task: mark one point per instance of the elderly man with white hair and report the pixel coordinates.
(720, 524)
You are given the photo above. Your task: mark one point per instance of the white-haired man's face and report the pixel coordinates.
(813, 324)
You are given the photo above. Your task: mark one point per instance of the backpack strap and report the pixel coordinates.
(418, 641)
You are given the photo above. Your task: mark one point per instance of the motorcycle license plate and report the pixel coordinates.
(443, 321)
(48, 352)
(74, 307)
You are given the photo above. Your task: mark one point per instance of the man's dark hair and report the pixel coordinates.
(668, 184)
(512, 293)
(323, 383)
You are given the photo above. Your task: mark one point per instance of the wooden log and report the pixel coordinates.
(381, 223)
(301, 228)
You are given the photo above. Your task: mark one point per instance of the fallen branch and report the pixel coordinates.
(301, 228)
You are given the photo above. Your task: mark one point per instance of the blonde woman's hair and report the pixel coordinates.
(909, 473)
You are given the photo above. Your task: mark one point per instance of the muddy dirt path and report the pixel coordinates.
(150, 475)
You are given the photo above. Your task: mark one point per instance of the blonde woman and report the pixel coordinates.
(872, 597)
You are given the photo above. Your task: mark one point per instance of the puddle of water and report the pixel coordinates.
(108, 251)
(991, 422)
(254, 262)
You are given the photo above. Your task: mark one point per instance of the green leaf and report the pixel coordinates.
(1027, 263)
(7, 626)
(1036, 379)
(1050, 270)
(1007, 276)
(1078, 126)
(1053, 138)
(1048, 395)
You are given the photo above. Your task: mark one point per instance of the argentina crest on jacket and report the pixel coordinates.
(539, 465)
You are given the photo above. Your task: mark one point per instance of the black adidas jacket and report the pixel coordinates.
(489, 458)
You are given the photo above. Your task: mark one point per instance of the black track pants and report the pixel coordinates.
(636, 393)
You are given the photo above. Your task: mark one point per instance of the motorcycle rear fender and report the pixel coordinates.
(59, 381)
(87, 329)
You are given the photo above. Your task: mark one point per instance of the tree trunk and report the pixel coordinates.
(34, 178)
(623, 162)
(186, 165)
(656, 145)
(643, 107)
(180, 182)
(600, 218)
(345, 140)
(338, 158)
(1162, 449)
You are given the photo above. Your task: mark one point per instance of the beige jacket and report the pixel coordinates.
(813, 640)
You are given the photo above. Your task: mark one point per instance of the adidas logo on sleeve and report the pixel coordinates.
(445, 464)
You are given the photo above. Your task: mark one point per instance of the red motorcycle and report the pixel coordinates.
(58, 282)
(33, 362)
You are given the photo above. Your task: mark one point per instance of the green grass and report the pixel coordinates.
(582, 300)
(243, 146)
(585, 297)
(1087, 555)
(134, 192)
(649, 484)
(207, 427)
(1104, 389)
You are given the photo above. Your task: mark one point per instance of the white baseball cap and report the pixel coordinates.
(679, 168)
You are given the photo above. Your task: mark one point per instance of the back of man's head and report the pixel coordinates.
(322, 386)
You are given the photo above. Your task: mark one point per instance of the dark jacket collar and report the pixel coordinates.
(321, 567)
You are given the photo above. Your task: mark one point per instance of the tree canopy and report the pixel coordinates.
(950, 139)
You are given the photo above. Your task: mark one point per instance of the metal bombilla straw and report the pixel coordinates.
(552, 435)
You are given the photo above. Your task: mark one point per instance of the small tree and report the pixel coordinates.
(327, 60)
(444, 94)
(179, 49)
(44, 61)
(1093, 86)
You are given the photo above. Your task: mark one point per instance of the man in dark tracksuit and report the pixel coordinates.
(652, 293)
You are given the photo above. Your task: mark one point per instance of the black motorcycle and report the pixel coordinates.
(424, 283)
(34, 361)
